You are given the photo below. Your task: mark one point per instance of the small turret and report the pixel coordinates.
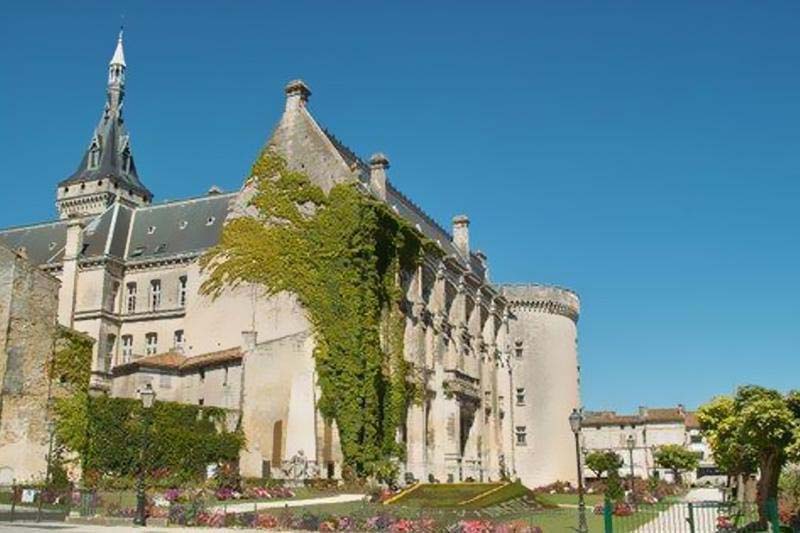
(107, 171)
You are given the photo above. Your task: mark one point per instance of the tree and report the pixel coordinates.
(603, 462)
(758, 429)
(676, 458)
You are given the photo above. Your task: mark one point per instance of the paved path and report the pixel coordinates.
(674, 518)
(280, 504)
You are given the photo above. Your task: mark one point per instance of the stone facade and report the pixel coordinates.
(130, 278)
(650, 428)
(28, 310)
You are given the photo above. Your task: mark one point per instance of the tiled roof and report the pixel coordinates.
(655, 415)
(175, 361)
(213, 358)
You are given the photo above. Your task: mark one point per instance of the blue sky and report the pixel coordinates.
(646, 155)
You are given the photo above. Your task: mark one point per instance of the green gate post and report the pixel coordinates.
(608, 515)
(691, 518)
(772, 514)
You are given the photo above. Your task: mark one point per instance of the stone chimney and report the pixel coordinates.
(461, 234)
(69, 271)
(297, 93)
(249, 340)
(378, 164)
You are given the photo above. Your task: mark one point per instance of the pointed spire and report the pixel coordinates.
(119, 53)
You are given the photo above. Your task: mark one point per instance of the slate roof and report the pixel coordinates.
(113, 138)
(180, 227)
(156, 231)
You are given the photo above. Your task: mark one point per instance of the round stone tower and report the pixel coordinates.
(543, 338)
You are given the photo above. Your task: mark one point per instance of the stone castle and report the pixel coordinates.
(500, 360)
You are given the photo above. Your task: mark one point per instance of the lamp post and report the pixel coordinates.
(148, 396)
(630, 442)
(575, 420)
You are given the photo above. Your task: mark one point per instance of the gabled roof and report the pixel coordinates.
(180, 363)
(316, 151)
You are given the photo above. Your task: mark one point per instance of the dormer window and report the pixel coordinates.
(151, 230)
(94, 155)
(183, 224)
(126, 160)
(210, 221)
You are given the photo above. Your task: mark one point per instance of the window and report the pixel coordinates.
(155, 294)
(164, 381)
(520, 396)
(131, 299)
(182, 281)
(518, 349)
(94, 156)
(111, 341)
(202, 375)
(151, 343)
(210, 221)
(696, 439)
(201, 402)
(522, 435)
(127, 348)
(183, 224)
(178, 340)
(126, 160)
(151, 230)
(225, 378)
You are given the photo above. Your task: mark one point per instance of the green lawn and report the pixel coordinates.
(569, 499)
(444, 494)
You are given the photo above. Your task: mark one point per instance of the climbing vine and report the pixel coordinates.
(344, 255)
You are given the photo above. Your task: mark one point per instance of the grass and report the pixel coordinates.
(569, 499)
(511, 491)
(443, 495)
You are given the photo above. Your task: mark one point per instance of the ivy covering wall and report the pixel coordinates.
(343, 254)
(106, 433)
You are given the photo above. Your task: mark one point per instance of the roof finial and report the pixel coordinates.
(119, 54)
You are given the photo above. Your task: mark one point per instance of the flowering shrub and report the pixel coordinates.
(474, 526)
(380, 522)
(226, 493)
(265, 521)
(173, 495)
(211, 519)
(622, 509)
(517, 527)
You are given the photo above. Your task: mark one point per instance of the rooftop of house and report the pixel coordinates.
(646, 415)
(179, 363)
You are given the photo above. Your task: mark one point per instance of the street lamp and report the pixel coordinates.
(630, 442)
(148, 397)
(575, 420)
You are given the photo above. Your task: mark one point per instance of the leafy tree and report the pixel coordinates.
(676, 458)
(756, 429)
(603, 462)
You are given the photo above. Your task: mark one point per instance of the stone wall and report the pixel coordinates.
(28, 322)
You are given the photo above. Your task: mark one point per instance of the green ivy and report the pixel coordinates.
(343, 255)
(72, 362)
(107, 433)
